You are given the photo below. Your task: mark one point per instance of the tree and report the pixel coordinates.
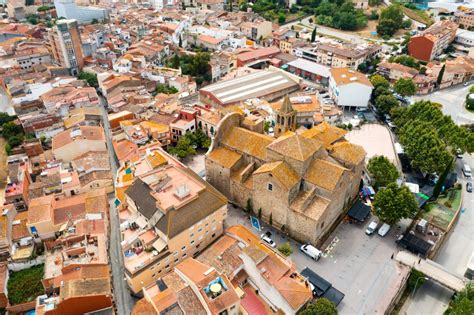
(441, 74)
(281, 18)
(423, 145)
(91, 78)
(385, 103)
(161, 88)
(373, 15)
(322, 306)
(285, 249)
(393, 12)
(373, 3)
(377, 80)
(406, 24)
(405, 87)
(442, 179)
(183, 148)
(249, 206)
(94, 21)
(270, 220)
(393, 203)
(10, 129)
(382, 171)
(463, 302)
(387, 27)
(4, 118)
(313, 35)
(406, 60)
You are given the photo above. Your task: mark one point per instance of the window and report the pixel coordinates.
(192, 234)
(213, 235)
(200, 230)
(153, 275)
(167, 266)
(184, 255)
(322, 224)
(183, 248)
(176, 260)
(270, 187)
(197, 246)
(192, 242)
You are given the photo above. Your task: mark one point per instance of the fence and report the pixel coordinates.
(17, 266)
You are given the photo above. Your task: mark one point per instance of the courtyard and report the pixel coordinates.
(375, 139)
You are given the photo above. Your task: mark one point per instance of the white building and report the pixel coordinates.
(69, 10)
(349, 87)
(464, 40)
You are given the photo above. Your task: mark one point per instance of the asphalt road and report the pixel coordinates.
(452, 99)
(432, 298)
(124, 302)
(358, 265)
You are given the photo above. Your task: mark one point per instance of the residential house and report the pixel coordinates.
(395, 71)
(184, 123)
(71, 144)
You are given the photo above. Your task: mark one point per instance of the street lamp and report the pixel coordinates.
(416, 283)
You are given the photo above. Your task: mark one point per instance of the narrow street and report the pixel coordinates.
(123, 300)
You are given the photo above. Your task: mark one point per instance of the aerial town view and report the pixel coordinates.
(228, 157)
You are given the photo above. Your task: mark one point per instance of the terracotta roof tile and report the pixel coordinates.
(282, 171)
(324, 174)
(247, 141)
(347, 152)
(224, 157)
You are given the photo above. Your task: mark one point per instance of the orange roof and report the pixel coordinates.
(343, 76)
(41, 209)
(92, 133)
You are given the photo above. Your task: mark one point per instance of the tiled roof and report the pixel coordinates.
(325, 133)
(247, 141)
(295, 146)
(324, 174)
(224, 157)
(350, 153)
(281, 171)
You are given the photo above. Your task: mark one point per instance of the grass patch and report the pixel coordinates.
(442, 211)
(25, 285)
(418, 15)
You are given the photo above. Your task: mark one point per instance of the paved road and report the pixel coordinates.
(358, 265)
(452, 100)
(123, 300)
(454, 254)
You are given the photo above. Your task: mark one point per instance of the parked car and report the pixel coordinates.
(311, 251)
(371, 228)
(469, 187)
(466, 170)
(383, 230)
(267, 239)
(361, 109)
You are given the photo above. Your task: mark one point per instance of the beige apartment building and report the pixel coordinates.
(168, 214)
(465, 19)
(66, 45)
(73, 143)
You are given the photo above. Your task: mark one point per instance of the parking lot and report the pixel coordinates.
(358, 265)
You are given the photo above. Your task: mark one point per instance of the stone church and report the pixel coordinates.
(303, 181)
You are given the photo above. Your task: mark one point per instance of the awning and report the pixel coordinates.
(320, 284)
(359, 211)
(159, 244)
(334, 295)
(415, 244)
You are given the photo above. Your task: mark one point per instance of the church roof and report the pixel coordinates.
(324, 174)
(347, 152)
(295, 146)
(247, 141)
(325, 133)
(281, 171)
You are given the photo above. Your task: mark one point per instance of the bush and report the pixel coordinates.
(25, 285)
(285, 249)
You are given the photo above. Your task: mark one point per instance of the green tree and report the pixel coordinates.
(377, 80)
(183, 148)
(406, 60)
(95, 21)
(4, 118)
(386, 102)
(322, 306)
(373, 3)
(393, 12)
(405, 87)
(313, 35)
(91, 78)
(249, 206)
(406, 24)
(161, 88)
(393, 203)
(285, 249)
(441, 74)
(442, 179)
(463, 302)
(387, 27)
(382, 171)
(281, 18)
(9, 129)
(373, 15)
(424, 147)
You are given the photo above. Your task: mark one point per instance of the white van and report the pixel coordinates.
(466, 170)
(311, 251)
